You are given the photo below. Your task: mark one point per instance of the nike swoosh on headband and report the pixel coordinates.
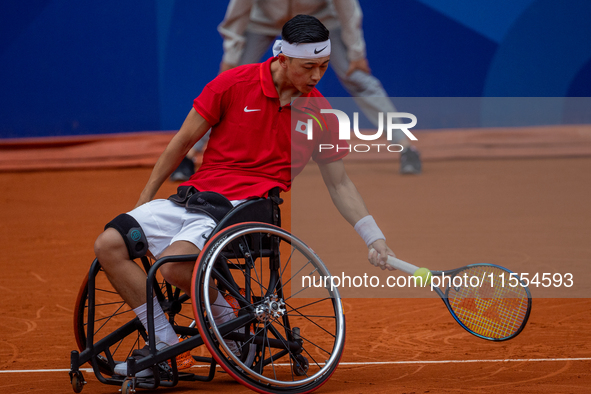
(318, 51)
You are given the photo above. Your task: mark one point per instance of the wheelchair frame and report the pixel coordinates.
(238, 224)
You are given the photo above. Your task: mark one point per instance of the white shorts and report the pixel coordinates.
(164, 223)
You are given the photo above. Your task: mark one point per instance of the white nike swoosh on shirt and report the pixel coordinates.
(250, 110)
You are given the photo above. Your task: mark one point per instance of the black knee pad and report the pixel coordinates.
(132, 233)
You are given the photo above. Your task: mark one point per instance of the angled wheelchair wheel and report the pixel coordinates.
(283, 336)
(108, 315)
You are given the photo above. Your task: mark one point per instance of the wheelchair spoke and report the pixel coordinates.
(259, 280)
(278, 336)
(185, 316)
(213, 287)
(272, 361)
(239, 268)
(305, 288)
(312, 321)
(308, 353)
(294, 275)
(265, 339)
(135, 345)
(298, 292)
(287, 262)
(309, 341)
(269, 327)
(108, 291)
(248, 342)
(107, 304)
(312, 357)
(250, 253)
(312, 303)
(110, 317)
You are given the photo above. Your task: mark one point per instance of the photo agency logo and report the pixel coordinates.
(393, 122)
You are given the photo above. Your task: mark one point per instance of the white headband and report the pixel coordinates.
(312, 50)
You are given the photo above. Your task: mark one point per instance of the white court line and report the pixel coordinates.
(519, 360)
(469, 361)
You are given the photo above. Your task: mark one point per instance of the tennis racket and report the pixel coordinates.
(487, 300)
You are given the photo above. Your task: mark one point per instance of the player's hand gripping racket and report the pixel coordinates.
(487, 300)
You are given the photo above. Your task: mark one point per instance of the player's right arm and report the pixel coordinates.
(350, 204)
(194, 127)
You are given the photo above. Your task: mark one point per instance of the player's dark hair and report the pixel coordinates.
(304, 29)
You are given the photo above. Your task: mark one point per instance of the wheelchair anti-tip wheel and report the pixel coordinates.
(112, 316)
(282, 337)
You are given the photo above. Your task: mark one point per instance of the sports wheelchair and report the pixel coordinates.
(290, 337)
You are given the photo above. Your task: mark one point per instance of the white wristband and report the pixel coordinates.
(369, 230)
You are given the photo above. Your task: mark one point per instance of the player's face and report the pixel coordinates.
(304, 74)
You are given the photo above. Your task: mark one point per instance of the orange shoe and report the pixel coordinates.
(184, 360)
(233, 302)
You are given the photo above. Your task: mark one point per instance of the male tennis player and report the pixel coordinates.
(249, 153)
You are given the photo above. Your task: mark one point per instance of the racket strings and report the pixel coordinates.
(493, 308)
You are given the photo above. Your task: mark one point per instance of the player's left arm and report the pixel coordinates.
(351, 206)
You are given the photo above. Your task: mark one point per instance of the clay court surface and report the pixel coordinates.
(506, 210)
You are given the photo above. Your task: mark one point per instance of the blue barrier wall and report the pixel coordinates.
(78, 67)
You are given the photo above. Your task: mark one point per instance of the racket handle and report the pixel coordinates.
(402, 265)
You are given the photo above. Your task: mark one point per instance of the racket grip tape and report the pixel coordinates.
(400, 264)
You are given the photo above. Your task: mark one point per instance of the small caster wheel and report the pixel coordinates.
(127, 387)
(301, 365)
(78, 382)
